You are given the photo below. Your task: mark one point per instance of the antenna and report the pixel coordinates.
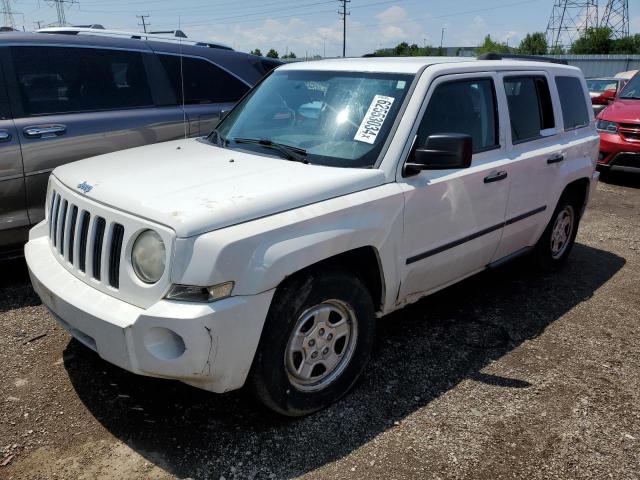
(616, 17)
(184, 112)
(569, 19)
(344, 14)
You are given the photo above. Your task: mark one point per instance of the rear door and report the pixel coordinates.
(76, 102)
(209, 89)
(537, 152)
(14, 221)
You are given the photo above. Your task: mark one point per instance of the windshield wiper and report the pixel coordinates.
(292, 153)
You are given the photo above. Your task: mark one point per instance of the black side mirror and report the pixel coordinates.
(442, 151)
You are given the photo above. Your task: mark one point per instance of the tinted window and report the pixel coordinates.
(203, 81)
(462, 107)
(632, 89)
(59, 79)
(4, 100)
(573, 102)
(530, 108)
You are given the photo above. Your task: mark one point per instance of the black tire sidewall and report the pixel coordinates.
(543, 248)
(269, 379)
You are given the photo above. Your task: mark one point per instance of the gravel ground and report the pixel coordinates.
(510, 374)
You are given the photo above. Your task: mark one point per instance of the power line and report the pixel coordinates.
(344, 14)
(144, 24)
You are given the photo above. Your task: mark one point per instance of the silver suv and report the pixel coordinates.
(73, 93)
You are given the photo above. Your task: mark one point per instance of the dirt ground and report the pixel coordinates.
(510, 374)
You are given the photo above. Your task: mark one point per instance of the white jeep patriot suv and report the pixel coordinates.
(335, 192)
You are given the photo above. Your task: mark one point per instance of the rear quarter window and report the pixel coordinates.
(575, 112)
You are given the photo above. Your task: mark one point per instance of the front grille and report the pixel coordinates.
(630, 131)
(96, 238)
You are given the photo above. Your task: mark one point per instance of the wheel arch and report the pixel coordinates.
(578, 189)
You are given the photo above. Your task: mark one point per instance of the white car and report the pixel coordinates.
(334, 193)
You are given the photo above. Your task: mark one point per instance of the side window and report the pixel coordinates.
(572, 100)
(5, 111)
(530, 107)
(203, 81)
(62, 79)
(463, 106)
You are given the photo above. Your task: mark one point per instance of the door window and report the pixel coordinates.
(463, 106)
(573, 102)
(62, 79)
(530, 108)
(203, 81)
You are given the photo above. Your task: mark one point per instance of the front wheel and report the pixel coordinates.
(317, 340)
(555, 245)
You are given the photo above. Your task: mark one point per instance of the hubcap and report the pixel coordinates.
(321, 345)
(562, 231)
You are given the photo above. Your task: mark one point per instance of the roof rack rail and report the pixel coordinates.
(515, 56)
(179, 36)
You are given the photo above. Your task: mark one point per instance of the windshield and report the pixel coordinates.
(632, 89)
(332, 118)
(599, 86)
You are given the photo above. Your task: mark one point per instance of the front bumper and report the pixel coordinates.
(619, 154)
(208, 345)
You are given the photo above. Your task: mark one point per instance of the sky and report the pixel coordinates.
(313, 27)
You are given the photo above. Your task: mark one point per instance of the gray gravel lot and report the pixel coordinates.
(511, 374)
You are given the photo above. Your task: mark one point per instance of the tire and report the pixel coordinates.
(321, 318)
(555, 244)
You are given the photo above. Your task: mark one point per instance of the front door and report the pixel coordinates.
(454, 218)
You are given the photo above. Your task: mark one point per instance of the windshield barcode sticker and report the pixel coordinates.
(374, 119)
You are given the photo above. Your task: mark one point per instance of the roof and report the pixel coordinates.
(413, 65)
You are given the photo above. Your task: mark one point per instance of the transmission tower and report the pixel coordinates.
(569, 19)
(8, 14)
(60, 11)
(616, 17)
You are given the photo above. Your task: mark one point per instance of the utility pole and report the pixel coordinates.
(144, 24)
(344, 14)
(442, 37)
(38, 23)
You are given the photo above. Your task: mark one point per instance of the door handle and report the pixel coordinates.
(45, 131)
(5, 136)
(555, 158)
(495, 177)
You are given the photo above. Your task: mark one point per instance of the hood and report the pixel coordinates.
(622, 111)
(194, 187)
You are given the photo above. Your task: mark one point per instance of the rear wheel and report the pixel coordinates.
(316, 342)
(555, 245)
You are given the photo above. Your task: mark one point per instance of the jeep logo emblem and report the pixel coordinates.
(85, 187)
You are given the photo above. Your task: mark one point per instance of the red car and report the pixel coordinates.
(604, 90)
(619, 127)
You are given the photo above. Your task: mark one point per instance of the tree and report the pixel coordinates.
(272, 53)
(557, 50)
(256, 52)
(489, 46)
(289, 55)
(627, 45)
(593, 41)
(534, 44)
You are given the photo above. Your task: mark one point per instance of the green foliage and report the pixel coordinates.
(557, 50)
(403, 49)
(272, 53)
(599, 40)
(593, 41)
(534, 44)
(256, 52)
(289, 55)
(490, 46)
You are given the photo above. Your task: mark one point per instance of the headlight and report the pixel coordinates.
(148, 256)
(192, 293)
(607, 126)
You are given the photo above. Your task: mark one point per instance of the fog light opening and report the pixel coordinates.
(163, 343)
